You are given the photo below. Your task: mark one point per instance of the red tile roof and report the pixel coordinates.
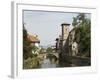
(33, 38)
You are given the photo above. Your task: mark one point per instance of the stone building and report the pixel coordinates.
(64, 40)
(66, 44)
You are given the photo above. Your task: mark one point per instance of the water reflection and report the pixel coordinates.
(47, 63)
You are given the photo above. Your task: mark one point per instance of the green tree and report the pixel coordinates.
(42, 50)
(83, 34)
(35, 49)
(27, 49)
(49, 50)
(74, 23)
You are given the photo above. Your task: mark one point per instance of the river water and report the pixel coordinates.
(46, 63)
(51, 63)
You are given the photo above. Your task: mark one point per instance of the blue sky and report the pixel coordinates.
(47, 25)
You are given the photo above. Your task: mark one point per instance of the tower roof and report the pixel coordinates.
(65, 24)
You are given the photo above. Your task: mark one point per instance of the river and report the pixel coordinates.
(47, 63)
(51, 63)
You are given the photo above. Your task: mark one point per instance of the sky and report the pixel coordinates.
(47, 25)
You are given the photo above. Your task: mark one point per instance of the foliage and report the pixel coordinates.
(35, 49)
(74, 21)
(83, 33)
(42, 50)
(31, 63)
(52, 56)
(27, 49)
(49, 50)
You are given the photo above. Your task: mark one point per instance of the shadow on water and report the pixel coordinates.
(53, 62)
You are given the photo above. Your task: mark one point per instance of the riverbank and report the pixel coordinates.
(31, 63)
(37, 62)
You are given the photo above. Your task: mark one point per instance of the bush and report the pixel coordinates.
(31, 63)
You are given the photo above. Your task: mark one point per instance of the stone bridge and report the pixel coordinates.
(44, 55)
(55, 54)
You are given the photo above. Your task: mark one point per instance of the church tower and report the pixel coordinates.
(64, 42)
(65, 32)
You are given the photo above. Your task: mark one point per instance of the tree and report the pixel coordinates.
(35, 49)
(27, 49)
(49, 50)
(83, 33)
(74, 23)
(42, 50)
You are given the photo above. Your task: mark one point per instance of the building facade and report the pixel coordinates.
(66, 44)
